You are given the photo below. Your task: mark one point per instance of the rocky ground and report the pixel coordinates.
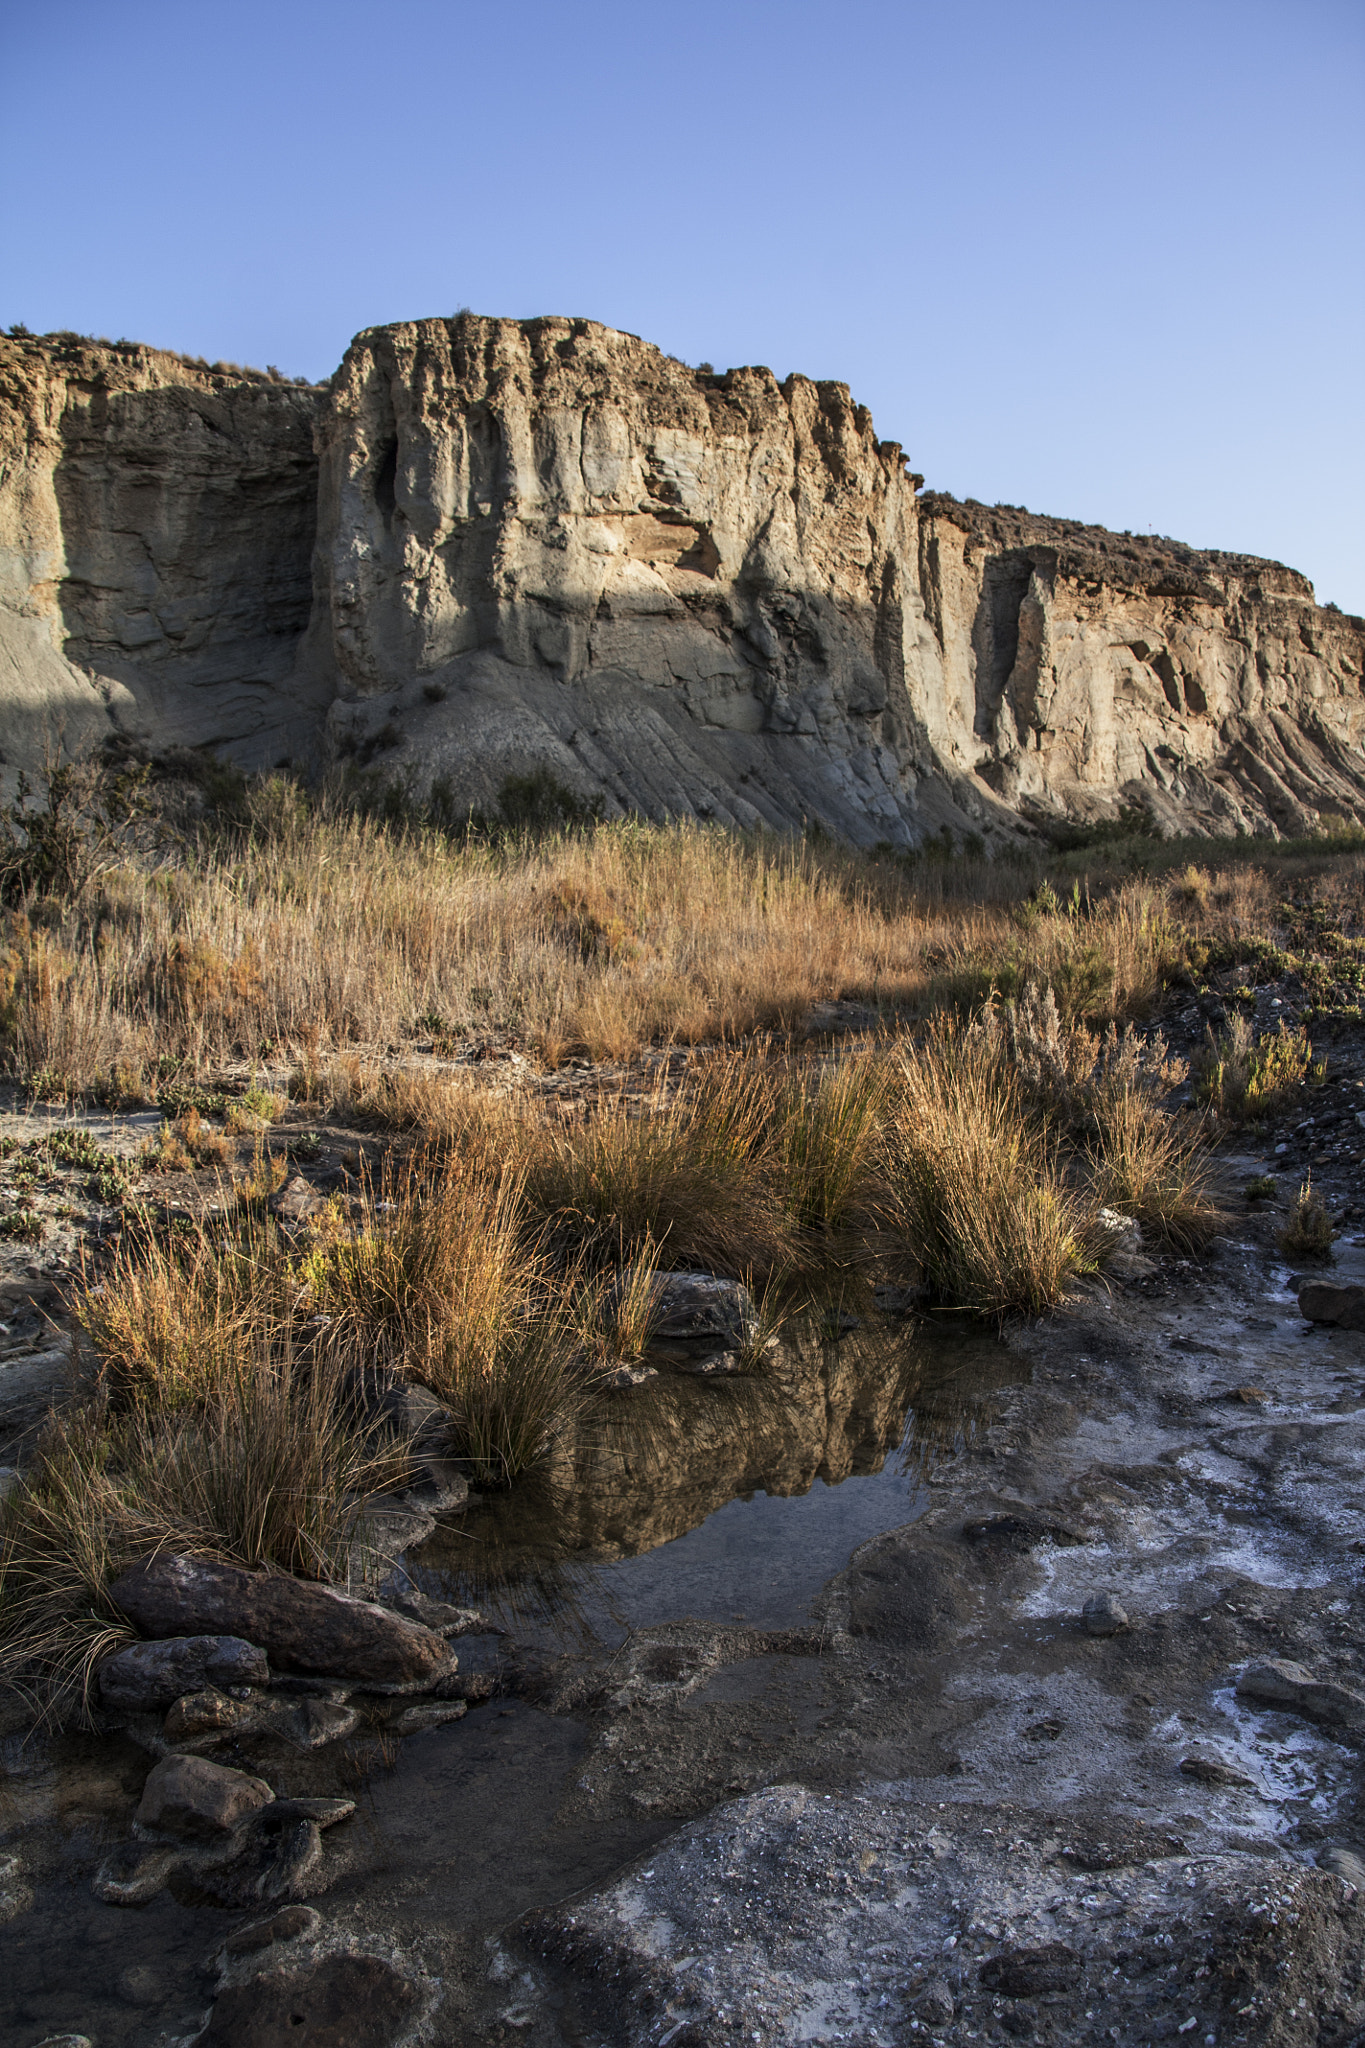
(1071, 1757)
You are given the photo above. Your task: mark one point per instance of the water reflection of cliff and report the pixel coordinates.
(638, 1470)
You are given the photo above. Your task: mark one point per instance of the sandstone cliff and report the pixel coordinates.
(156, 532)
(546, 544)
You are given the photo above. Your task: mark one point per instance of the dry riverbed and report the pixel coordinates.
(940, 1801)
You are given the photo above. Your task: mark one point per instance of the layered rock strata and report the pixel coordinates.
(545, 544)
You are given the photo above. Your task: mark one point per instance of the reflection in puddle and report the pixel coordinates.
(724, 1499)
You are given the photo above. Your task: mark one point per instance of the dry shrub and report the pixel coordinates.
(174, 1318)
(1307, 1234)
(974, 1192)
(185, 1144)
(827, 1140)
(1069, 1071)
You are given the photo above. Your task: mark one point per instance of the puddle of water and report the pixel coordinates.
(722, 1500)
(687, 1497)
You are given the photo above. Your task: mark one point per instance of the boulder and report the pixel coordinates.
(296, 1201)
(291, 1923)
(189, 1796)
(332, 2001)
(1323, 1301)
(151, 1675)
(303, 1626)
(690, 1307)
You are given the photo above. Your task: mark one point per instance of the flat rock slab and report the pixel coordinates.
(335, 2001)
(1323, 1301)
(303, 1626)
(788, 1918)
(1278, 1682)
(149, 1675)
(189, 1796)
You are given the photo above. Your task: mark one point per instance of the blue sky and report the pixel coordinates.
(1101, 260)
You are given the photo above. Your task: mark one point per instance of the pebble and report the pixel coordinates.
(1103, 1616)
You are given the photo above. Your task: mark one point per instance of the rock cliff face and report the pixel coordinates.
(546, 544)
(156, 534)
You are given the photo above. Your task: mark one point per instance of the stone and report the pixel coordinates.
(331, 2001)
(1322, 1301)
(205, 1713)
(1279, 1682)
(621, 1379)
(1122, 1233)
(696, 1306)
(1130, 1266)
(1213, 1770)
(323, 1813)
(440, 1615)
(16, 1895)
(189, 1796)
(428, 1714)
(131, 1874)
(291, 1923)
(302, 1625)
(1103, 1616)
(715, 1365)
(312, 1724)
(1031, 1972)
(934, 2004)
(297, 1201)
(439, 1486)
(1345, 1864)
(66, 2041)
(10, 1482)
(149, 1675)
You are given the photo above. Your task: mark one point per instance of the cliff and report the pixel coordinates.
(546, 544)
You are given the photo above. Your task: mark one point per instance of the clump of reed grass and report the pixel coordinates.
(685, 1174)
(974, 1191)
(1307, 1232)
(441, 1279)
(1154, 1166)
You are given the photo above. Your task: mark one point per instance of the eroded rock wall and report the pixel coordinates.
(492, 546)
(545, 543)
(157, 521)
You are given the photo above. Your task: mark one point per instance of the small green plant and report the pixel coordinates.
(254, 1108)
(23, 1225)
(1308, 1232)
(1263, 1189)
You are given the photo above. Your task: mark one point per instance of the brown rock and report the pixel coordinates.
(204, 1713)
(149, 1675)
(304, 1626)
(337, 2001)
(188, 1795)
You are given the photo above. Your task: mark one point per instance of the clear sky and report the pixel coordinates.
(1102, 260)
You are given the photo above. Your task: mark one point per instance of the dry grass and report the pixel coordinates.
(1155, 1167)
(975, 1193)
(267, 1468)
(318, 933)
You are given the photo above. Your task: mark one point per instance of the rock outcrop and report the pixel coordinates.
(157, 520)
(546, 545)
